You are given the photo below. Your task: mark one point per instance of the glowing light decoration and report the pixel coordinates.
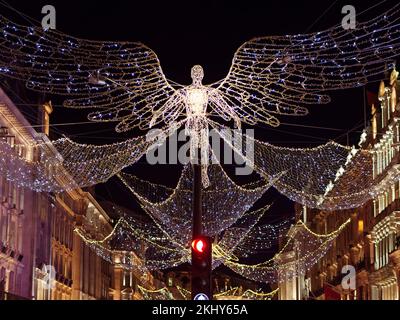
(162, 248)
(269, 76)
(64, 164)
(299, 252)
(330, 176)
(302, 249)
(172, 208)
(165, 294)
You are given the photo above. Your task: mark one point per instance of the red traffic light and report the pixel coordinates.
(199, 245)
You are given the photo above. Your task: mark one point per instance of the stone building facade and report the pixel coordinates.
(41, 257)
(370, 243)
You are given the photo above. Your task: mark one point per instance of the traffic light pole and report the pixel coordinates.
(197, 202)
(201, 245)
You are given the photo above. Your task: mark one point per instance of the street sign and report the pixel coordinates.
(201, 296)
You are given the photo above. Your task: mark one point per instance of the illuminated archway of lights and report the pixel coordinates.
(166, 230)
(158, 249)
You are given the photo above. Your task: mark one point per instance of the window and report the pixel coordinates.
(14, 195)
(393, 193)
(11, 282)
(360, 226)
(11, 235)
(4, 224)
(21, 199)
(383, 115)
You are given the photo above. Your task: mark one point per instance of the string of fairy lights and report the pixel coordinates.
(159, 249)
(305, 175)
(173, 210)
(63, 164)
(329, 177)
(269, 75)
(232, 293)
(300, 252)
(308, 247)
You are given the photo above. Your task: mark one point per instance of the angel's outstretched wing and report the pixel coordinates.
(123, 79)
(278, 74)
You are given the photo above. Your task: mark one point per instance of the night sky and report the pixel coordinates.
(207, 33)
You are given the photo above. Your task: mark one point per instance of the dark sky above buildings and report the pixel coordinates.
(208, 33)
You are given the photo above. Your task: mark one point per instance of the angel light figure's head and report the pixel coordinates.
(197, 74)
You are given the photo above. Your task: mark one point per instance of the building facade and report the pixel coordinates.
(41, 257)
(370, 244)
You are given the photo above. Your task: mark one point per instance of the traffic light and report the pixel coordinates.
(201, 266)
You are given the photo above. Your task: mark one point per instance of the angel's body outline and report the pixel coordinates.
(196, 98)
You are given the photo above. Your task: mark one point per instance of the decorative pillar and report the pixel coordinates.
(76, 267)
(99, 280)
(118, 273)
(287, 277)
(370, 252)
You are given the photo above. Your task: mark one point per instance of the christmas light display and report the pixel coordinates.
(165, 294)
(255, 295)
(234, 236)
(159, 294)
(64, 164)
(158, 249)
(315, 176)
(161, 248)
(261, 238)
(301, 251)
(269, 76)
(172, 208)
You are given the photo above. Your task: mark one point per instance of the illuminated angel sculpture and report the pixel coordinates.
(194, 99)
(269, 76)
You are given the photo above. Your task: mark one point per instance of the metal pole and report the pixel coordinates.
(197, 201)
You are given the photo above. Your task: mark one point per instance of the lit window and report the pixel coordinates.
(360, 226)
